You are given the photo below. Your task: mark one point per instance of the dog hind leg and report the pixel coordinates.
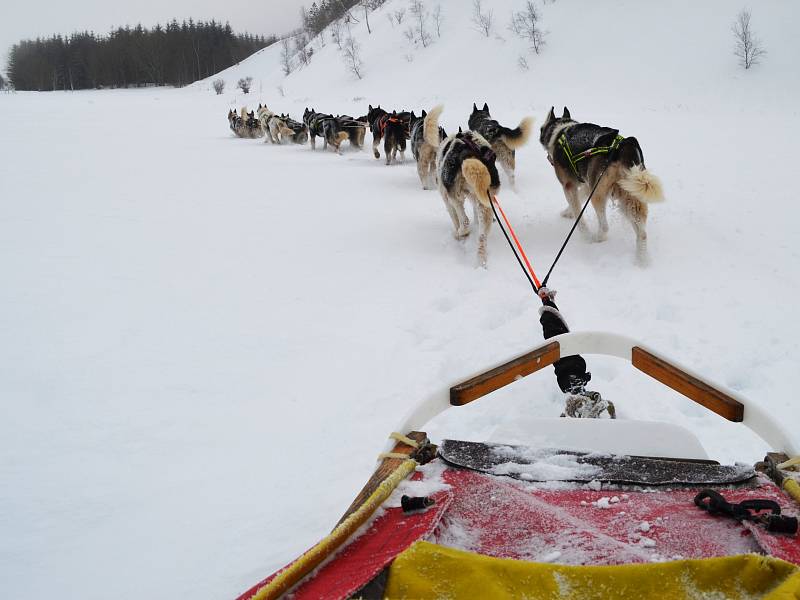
(636, 212)
(463, 220)
(485, 218)
(571, 192)
(422, 171)
(375, 141)
(600, 201)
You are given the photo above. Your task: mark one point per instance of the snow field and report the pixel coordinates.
(206, 340)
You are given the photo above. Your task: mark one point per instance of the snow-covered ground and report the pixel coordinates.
(206, 340)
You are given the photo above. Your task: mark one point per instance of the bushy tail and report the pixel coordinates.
(285, 131)
(642, 184)
(478, 179)
(430, 127)
(243, 112)
(514, 138)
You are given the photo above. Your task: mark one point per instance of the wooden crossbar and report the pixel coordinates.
(501, 376)
(688, 385)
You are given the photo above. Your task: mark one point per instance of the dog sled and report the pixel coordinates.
(564, 508)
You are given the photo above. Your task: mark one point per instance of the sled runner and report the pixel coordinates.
(564, 508)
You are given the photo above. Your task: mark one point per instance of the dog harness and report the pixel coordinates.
(485, 154)
(575, 158)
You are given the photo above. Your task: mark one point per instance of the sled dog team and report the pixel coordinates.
(584, 157)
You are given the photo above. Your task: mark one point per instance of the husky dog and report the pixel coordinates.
(355, 128)
(299, 131)
(425, 153)
(236, 123)
(252, 129)
(394, 137)
(504, 141)
(579, 152)
(273, 127)
(399, 124)
(264, 115)
(465, 166)
(326, 127)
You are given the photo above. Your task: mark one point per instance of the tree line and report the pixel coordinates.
(323, 13)
(176, 54)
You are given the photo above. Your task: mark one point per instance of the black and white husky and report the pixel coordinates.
(326, 127)
(425, 153)
(465, 167)
(579, 153)
(504, 141)
(394, 128)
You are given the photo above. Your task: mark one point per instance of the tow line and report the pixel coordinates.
(571, 370)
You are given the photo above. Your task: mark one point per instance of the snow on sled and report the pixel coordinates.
(589, 508)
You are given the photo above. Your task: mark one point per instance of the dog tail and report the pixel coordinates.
(514, 138)
(636, 179)
(286, 132)
(342, 136)
(478, 179)
(243, 112)
(430, 126)
(642, 184)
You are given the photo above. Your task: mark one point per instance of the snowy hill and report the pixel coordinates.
(208, 339)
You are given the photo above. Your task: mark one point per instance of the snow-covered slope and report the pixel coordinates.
(206, 340)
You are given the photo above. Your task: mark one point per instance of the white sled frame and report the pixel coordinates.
(713, 396)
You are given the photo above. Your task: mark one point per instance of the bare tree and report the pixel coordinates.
(336, 32)
(748, 48)
(219, 86)
(367, 5)
(438, 19)
(483, 21)
(525, 24)
(420, 29)
(352, 56)
(244, 84)
(399, 14)
(302, 50)
(286, 56)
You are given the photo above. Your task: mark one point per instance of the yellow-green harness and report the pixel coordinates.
(574, 159)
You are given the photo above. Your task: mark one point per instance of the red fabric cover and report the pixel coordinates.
(366, 556)
(500, 517)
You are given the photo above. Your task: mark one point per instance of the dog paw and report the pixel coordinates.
(376, 154)
(600, 237)
(567, 213)
(461, 234)
(642, 260)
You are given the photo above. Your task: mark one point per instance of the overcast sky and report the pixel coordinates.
(22, 19)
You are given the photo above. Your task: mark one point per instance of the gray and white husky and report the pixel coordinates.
(504, 140)
(274, 127)
(425, 153)
(465, 167)
(579, 152)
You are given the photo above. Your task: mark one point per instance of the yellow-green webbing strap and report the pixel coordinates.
(309, 561)
(574, 159)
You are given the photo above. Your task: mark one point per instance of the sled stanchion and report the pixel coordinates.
(507, 373)
(688, 385)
